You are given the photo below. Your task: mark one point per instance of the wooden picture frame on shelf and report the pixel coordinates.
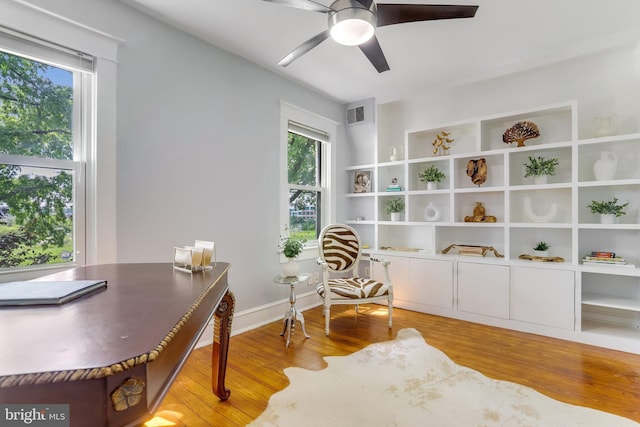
(362, 182)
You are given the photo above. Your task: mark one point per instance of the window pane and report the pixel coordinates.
(304, 217)
(303, 158)
(36, 216)
(35, 108)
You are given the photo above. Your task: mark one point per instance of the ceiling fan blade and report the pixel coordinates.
(303, 4)
(365, 3)
(373, 51)
(304, 48)
(389, 14)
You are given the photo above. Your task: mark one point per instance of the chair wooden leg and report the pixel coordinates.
(390, 309)
(327, 317)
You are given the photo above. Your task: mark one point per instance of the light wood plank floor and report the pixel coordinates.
(579, 374)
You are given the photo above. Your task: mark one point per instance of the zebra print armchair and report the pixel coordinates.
(340, 253)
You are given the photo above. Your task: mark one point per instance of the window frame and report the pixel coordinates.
(81, 114)
(98, 170)
(290, 113)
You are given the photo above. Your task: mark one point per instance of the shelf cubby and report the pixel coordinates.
(626, 150)
(414, 169)
(615, 304)
(493, 202)
(400, 236)
(366, 231)
(539, 204)
(472, 235)
(555, 125)
(387, 173)
(420, 143)
(418, 203)
(361, 207)
(518, 159)
(495, 171)
(382, 201)
(522, 241)
(602, 192)
(624, 242)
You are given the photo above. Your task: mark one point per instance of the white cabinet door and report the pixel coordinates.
(483, 289)
(543, 296)
(432, 282)
(398, 273)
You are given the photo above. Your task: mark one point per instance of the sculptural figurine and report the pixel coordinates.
(479, 215)
(477, 170)
(478, 210)
(520, 132)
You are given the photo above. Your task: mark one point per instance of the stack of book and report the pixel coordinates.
(394, 187)
(605, 258)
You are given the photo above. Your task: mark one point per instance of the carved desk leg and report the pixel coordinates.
(221, 335)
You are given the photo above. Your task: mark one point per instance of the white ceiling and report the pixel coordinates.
(505, 36)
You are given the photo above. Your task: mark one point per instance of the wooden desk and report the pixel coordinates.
(113, 354)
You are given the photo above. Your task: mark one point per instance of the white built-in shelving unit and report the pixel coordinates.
(598, 305)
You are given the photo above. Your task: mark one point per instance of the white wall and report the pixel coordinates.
(197, 146)
(602, 83)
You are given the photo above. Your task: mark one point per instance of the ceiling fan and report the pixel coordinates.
(353, 23)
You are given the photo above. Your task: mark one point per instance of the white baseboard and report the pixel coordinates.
(255, 317)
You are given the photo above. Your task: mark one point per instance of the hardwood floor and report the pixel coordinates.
(574, 373)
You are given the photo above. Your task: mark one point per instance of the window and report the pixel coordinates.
(307, 197)
(305, 180)
(43, 106)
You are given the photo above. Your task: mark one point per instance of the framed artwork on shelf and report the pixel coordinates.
(362, 182)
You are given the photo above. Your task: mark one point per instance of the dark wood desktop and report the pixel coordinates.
(112, 355)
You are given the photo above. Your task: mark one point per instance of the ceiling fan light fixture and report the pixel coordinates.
(352, 27)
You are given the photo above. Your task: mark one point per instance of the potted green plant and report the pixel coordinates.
(539, 168)
(431, 176)
(291, 248)
(609, 210)
(541, 249)
(394, 207)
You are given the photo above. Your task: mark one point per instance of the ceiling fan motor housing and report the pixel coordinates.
(352, 23)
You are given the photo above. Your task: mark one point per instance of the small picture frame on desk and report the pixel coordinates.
(362, 182)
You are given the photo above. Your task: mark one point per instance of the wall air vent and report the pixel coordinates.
(355, 115)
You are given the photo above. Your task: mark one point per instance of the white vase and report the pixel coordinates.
(395, 216)
(290, 268)
(542, 254)
(552, 210)
(394, 154)
(605, 126)
(540, 179)
(607, 219)
(605, 168)
(431, 212)
(431, 185)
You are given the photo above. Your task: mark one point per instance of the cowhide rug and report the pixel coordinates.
(405, 382)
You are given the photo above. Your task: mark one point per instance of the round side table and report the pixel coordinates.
(293, 314)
